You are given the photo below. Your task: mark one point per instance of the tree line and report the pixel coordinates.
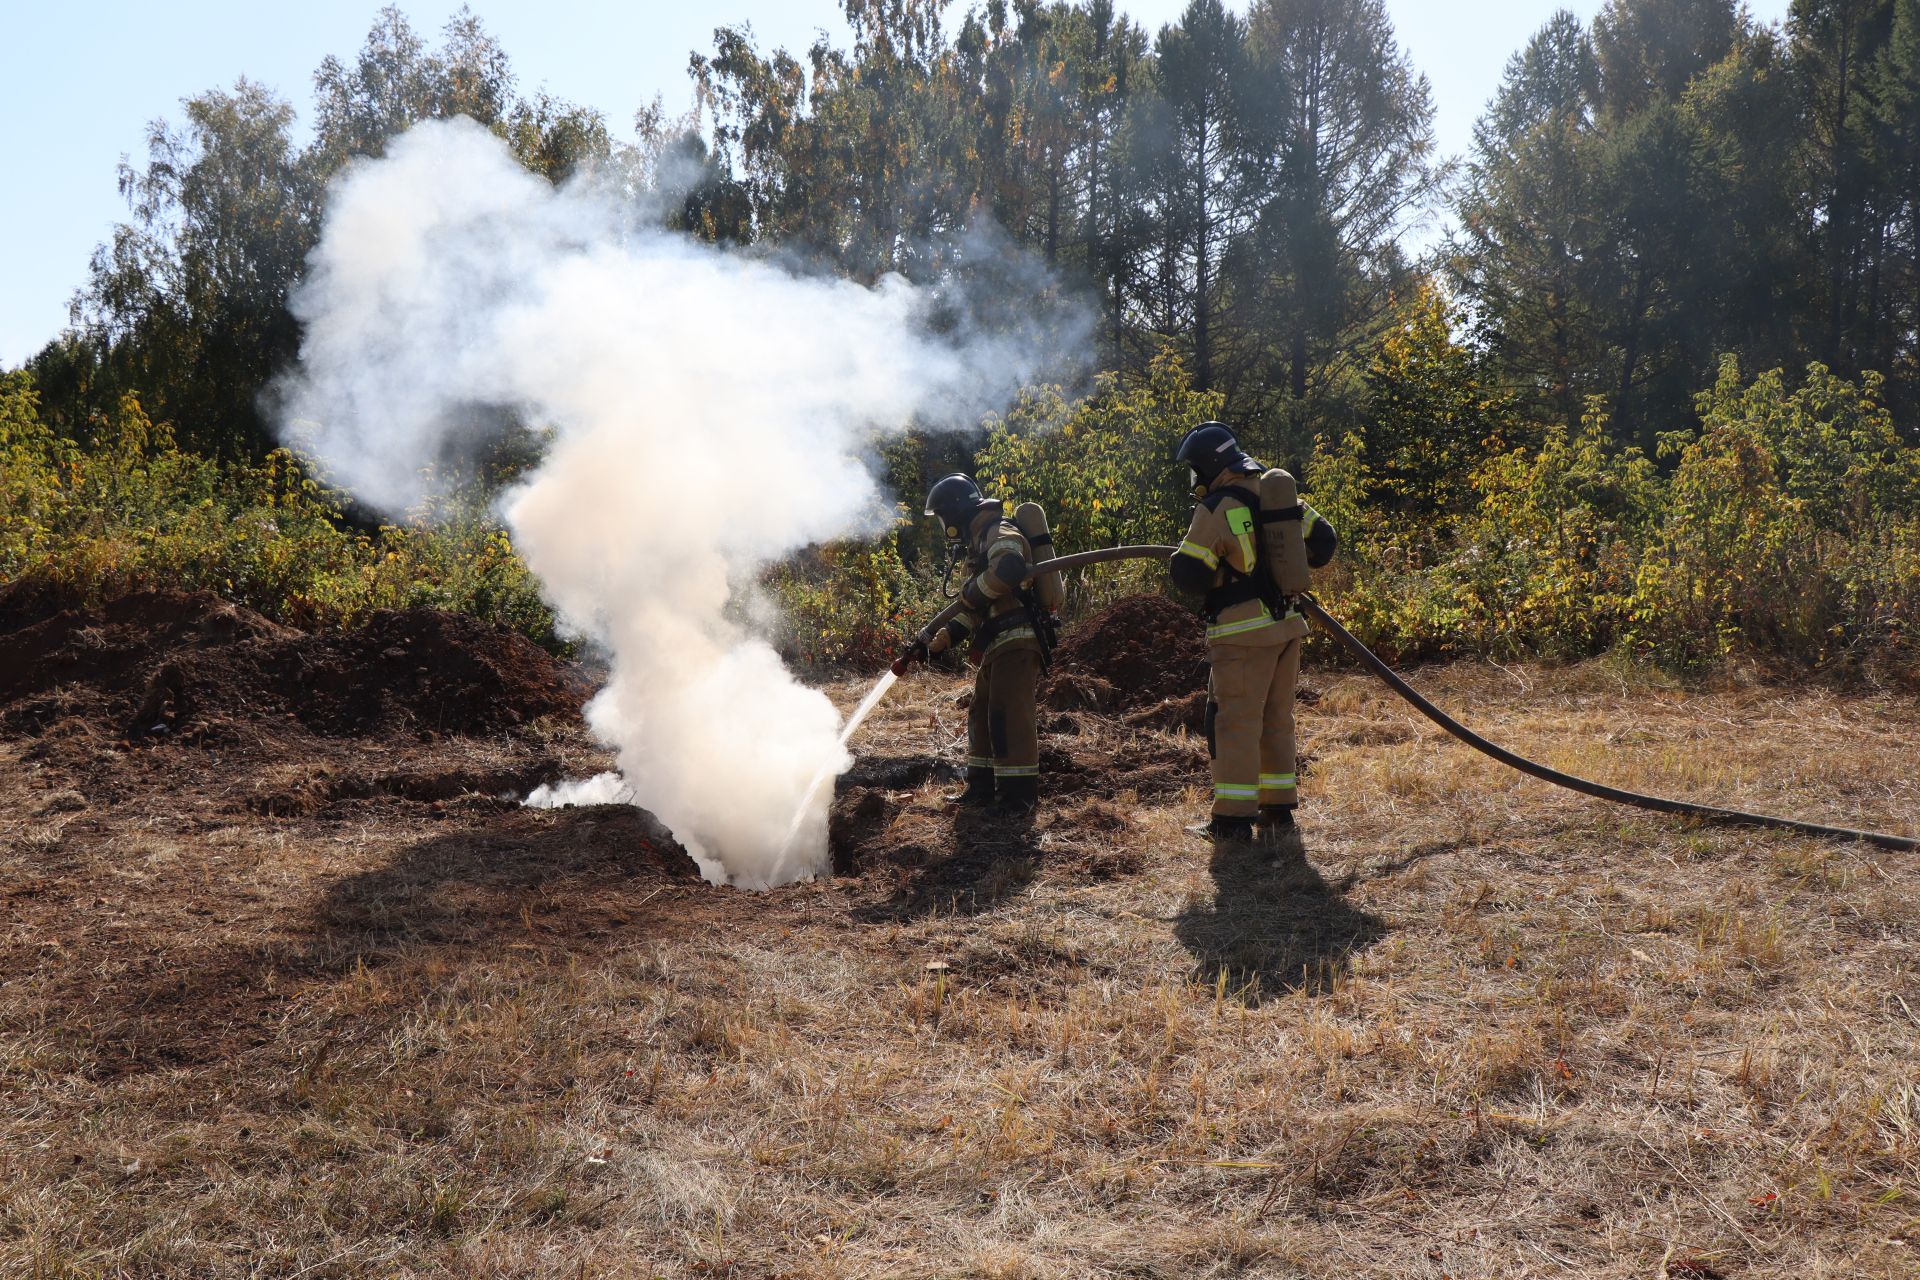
(1668, 185)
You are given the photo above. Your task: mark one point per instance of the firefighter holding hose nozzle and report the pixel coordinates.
(1246, 555)
(1006, 617)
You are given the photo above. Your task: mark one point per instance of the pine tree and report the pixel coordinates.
(1351, 171)
(1529, 223)
(1198, 202)
(1894, 89)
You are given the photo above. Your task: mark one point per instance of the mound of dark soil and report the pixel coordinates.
(101, 646)
(159, 663)
(431, 670)
(25, 601)
(1137, 652)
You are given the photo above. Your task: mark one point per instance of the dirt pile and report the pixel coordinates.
(429, 670)
(1135, 654)
(155, 664)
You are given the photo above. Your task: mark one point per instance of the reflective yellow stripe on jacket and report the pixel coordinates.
(1198, 552)
(1008, 637)
(1244, 625)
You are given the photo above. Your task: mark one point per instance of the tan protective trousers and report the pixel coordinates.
(1001, 731)
(1250, 726)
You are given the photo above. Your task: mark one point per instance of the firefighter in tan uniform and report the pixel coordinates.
(1254, 633)
(1003, 741)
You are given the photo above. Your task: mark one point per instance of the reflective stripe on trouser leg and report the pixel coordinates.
(1278, 761)
(1278, 788)
(1242, 675)
(1011, 676)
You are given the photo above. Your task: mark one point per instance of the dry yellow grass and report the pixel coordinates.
(1469, 1027)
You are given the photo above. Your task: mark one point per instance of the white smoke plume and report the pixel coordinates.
(601, 788)
(707, 413)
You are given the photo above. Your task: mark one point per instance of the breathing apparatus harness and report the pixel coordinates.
(1220, 469)
(1046, 623)
(1256, 583)
(1029, 613)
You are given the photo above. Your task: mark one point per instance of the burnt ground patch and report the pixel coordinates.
(570, 881)
(574, 874)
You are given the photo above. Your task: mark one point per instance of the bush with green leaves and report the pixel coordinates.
(129, 509)
(851, 604)
(1788, 528)
(1540, 560)
(1101, 466)
(1791, 528)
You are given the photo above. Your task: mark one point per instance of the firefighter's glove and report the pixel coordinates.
(915, 653)
(951, 636)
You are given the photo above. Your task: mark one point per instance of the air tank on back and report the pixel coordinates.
(1283, 541)
(1033, 523)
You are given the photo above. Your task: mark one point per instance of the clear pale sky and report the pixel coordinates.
(80, 80)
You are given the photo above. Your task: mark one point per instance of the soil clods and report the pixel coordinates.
(1137, 653)
(158, 664)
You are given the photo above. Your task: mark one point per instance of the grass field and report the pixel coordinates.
(1469, 1026)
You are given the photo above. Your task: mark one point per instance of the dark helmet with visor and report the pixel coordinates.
(954, 501)
(1210, 451)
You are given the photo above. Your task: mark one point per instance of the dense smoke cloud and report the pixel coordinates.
(707, 414)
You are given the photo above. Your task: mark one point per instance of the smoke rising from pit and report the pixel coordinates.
(707, 414)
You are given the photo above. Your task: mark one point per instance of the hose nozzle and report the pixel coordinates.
(915, 652)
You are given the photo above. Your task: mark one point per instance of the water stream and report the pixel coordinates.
(828, 774)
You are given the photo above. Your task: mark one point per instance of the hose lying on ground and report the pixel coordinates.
(1372, 662)
(1567, 780)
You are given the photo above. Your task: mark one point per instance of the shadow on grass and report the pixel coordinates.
(565, 881)
(1274, 926)
(988, 858)
(566, 876)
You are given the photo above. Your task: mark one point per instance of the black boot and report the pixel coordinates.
(1018, 797)
(979, 790)
(1224, 830)
(1276, 827)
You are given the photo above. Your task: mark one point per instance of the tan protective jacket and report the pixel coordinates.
(999, 560)
(1222, 536)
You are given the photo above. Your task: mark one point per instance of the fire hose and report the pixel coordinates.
(1372, 662)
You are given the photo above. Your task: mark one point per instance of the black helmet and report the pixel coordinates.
(1210, 449)
(954, 500)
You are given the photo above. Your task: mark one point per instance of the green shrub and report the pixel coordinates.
(851, 604)
(1788, 528)
(1100, 465)
(1789, 531)
(1100, 468)
(129, 509)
